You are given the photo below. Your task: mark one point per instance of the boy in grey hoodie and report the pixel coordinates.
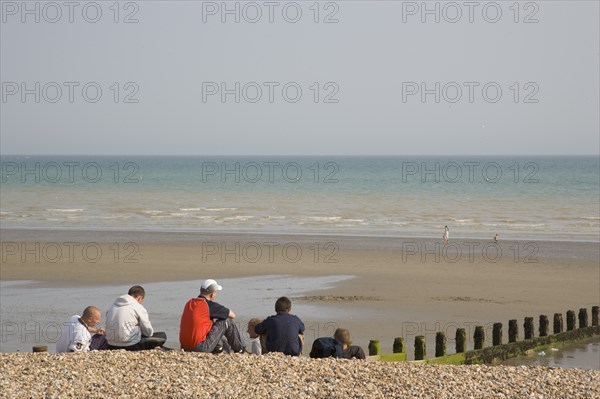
(128, 326)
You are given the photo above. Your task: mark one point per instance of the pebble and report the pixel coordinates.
(178, 374)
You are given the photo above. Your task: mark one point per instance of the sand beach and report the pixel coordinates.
(398, 287)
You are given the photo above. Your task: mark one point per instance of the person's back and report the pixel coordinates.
(75, 336)
(282, 329)
(205, 322)
(195, 323)
(326, 347)
(126, 322)
(342, 336)
(128, 325)
(256, 348)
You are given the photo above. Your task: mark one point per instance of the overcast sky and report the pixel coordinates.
(525, 81)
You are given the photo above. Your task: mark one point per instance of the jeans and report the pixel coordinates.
(219, 329)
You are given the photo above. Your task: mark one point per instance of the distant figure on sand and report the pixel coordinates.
(446, 235)
(128, 325)
(254, 337)
(282, 329)
(76, 334)
(204, 322)
(348, 351)
(496, 238)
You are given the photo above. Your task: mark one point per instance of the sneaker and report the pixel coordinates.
(218, 349)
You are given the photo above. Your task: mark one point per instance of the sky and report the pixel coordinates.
(299, 78)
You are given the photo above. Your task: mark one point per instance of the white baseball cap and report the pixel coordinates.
(207, 283)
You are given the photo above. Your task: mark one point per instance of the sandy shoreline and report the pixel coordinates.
(403, 286)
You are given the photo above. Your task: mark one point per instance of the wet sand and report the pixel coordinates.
(403, 287)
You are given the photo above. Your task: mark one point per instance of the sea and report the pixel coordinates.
(554, 198)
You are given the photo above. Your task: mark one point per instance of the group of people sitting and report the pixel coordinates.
(206, 326)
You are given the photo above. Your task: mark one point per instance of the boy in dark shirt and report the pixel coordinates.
(348, 351)
(282, 329)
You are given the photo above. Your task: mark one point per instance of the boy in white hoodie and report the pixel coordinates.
(128, 326)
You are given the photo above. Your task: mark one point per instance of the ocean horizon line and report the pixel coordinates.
(302, 155)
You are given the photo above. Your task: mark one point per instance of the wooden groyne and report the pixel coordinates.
(577, 328)
(493, 354)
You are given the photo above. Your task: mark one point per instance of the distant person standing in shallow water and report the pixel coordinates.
(446, 235)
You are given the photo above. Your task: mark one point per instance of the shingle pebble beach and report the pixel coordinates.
(176, 374)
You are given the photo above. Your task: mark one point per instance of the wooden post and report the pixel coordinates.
(570, 320)
(528, 327)
(513, 331)
(583, 318)
(398, 345)
(440, 344)
(420, 348)
(595, 311)
(558, 323)
(497, 334)
(479, 337)
(461, 340)
(374, 347)
(544, 325)
(40, 348)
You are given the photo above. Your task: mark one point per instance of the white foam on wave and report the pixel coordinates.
(153, 212)
(239, 217)
(117, 217)
(528, 225)
(325, 218)
(462, 220)
(64, 210)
